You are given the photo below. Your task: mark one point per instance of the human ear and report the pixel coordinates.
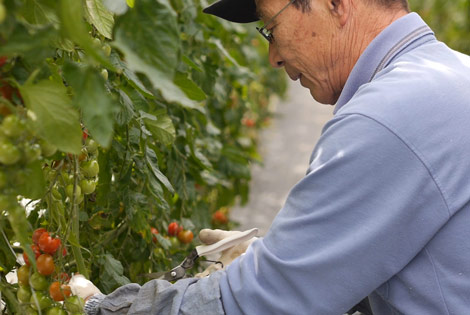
(340, 10)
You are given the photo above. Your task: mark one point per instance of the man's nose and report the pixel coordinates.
(274, 58)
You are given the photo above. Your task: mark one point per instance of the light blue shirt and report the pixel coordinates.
(383, 211)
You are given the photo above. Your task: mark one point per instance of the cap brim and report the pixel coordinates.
(238, 11)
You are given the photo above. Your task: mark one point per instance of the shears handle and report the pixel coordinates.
(226, 243)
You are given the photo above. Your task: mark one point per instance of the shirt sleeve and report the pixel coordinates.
(186, 296)
(366, 207)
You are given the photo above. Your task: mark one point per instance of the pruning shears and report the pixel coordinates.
(179, 271)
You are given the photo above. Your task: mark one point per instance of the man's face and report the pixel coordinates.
(307, 45)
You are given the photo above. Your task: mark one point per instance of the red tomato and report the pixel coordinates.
(37, 234)
(36, 251)
(174, 228)
(219, 217)
(45, 264)
(84, 134)
(185, 236)
(48, 244)
(59, 292)
(154, 232)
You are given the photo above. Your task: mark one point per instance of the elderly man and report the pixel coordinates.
(384, 209)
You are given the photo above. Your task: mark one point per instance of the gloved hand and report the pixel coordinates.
(82, 287)
(208, 237)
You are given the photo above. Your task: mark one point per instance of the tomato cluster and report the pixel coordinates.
(184, 236)
(42, 288)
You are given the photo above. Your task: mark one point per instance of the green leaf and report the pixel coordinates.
(34, 45)
(33, 185)
(35, 12)
(152, 164)
(8, 260)
(166, 244)
(56, 120)
(112, 273)
(156, 58)
(73, 27)
(161, 127)
(97, 106)
(100, 17)
(190, 88)
(130, 75)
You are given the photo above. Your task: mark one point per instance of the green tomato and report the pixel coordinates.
(40, 301)
(91, 145)
(69, 192)
(174, 241)
(74, 304)
(32, 152)
(90, 168)
(38, 282)
(47, 149)
(12, 126)
(88, 186)
(23, 294)
(9, 153)
(56, 311)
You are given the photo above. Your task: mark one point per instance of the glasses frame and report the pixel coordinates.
(266, 33)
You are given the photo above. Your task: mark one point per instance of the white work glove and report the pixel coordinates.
(82, 287)
(208, 237)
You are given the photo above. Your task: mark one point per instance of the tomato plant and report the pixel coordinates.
(98, 152)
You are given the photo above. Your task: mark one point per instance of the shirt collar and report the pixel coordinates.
(390, 43)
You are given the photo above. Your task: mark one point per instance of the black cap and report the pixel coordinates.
(239, 11)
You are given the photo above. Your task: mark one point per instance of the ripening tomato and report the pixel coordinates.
(45, 264)
(58, 291)
(23, 275)
(48, 244)
(185, 236)
(154, 232)
(37, 234)
(219, 217)
(36, 251)
(174, 228)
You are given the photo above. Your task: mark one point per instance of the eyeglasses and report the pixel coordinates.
(266, 33)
